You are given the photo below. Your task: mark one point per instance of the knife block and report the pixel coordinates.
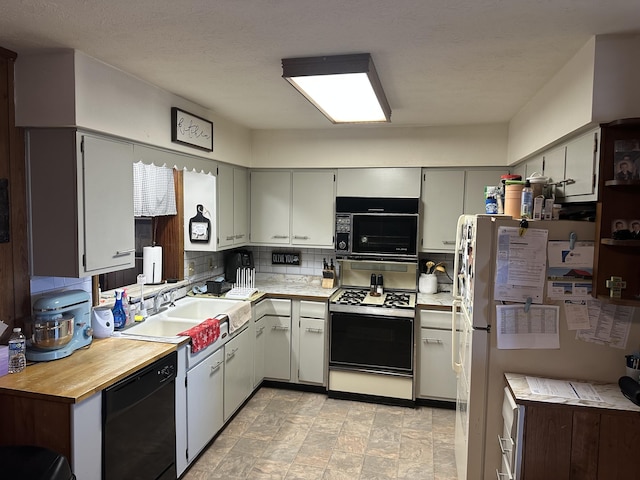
(328, 278)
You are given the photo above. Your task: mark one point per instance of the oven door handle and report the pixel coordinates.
(455, 344)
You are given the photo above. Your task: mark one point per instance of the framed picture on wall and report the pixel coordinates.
(189, 129)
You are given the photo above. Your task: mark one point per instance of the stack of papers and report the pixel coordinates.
(4, 360)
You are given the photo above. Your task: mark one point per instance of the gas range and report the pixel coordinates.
(395, 303)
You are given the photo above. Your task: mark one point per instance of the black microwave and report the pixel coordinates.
(377, 227)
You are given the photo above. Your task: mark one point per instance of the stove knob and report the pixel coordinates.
(342, 245)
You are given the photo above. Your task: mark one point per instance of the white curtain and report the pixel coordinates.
(154, 194)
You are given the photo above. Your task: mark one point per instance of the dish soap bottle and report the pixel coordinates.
(119, 315)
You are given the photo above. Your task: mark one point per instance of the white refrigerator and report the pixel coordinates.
(480, 365)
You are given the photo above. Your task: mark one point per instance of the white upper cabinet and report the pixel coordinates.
(581, 164)
(442, 203)
(447, 194)
(313, 208)
(232, 206)
(199, 210)
(81, 207)
(293, 207)
(379, 182)
(270, 206)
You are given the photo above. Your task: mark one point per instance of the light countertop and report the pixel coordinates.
(612, 397)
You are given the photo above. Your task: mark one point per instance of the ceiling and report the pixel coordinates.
(447, 62)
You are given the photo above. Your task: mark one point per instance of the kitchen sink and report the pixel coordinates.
(187, 312)
(161, 327)
(200, 308)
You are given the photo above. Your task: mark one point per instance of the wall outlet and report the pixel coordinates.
(192, 268)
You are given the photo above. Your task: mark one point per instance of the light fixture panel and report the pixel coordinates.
(345, 88)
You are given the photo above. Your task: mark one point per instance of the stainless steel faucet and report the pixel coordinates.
(159, 298)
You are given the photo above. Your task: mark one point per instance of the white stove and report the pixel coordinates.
(359, 300)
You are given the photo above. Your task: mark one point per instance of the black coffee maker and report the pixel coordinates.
(234, 260)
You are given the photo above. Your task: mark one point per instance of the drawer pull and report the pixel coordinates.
(280, 327)
(503, 446)
(314, 330)
(432, 340)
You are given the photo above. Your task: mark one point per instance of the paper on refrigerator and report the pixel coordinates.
(570, 270)
(521, 263)
(536, 328)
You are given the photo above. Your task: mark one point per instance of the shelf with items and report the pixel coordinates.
(617, 252)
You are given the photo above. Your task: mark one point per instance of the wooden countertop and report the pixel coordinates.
(85, 372)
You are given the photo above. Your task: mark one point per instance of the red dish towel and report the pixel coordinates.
(203, 335)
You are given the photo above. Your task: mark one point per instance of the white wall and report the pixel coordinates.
(561, 107)
(339, 146)
(598, 85)
(78, 90)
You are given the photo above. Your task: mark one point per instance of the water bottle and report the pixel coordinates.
(119, 315)
(17, 347)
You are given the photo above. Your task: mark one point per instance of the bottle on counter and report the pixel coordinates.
(526, 206)
(373, 286)
(119, 314)
(17, 348)
(380, 285)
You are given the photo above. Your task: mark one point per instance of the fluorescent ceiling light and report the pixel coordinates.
(345, 88)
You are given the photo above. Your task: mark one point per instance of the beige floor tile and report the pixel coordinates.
(292, 435)
(346, 462)
(269, 469)
(299, 471)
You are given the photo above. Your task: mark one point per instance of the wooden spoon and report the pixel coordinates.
(430, 266)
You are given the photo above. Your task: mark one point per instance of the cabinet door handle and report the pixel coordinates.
(448, 242)
(502, 442)
(280, 327)
(314, 330)
(259, 331)
(125, 252)
(432, 340)
(300, 237)
(215, 367)
(503, 475)
(232, 353)
(230, 237)
(280, 236)
(239, 236)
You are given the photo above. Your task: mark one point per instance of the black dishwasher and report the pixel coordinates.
(138, 424)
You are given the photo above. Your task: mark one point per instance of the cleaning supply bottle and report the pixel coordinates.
(119, 314)
(526, 205)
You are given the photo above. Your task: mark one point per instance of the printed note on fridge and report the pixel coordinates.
(536, 328)
(521, 263)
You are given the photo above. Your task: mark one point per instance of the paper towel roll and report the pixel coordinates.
(152, 264)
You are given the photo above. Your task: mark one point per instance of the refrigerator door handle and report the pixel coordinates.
(455, 346)
(456, 257)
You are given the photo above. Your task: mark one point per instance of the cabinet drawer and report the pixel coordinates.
(313, 309)
(273, 306)
(435, 319)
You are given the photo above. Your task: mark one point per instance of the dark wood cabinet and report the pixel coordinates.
(15, 302)
(617, 254)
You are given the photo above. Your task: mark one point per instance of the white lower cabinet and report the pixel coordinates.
(258, 352)
(238, 371)
(312, 342)
(437, 380)
(204, 402)
(510, 442)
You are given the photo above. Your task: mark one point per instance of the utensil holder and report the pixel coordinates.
(428, 283)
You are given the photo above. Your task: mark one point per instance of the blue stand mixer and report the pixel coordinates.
(61, 324)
